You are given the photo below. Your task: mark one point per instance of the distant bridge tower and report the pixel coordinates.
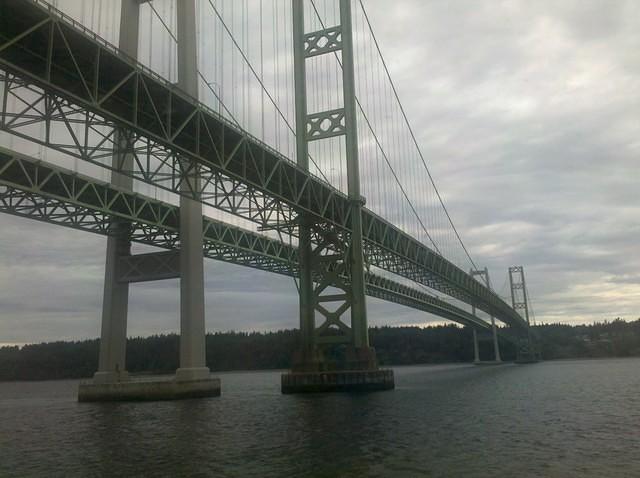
(519, 291)
(520, 301)
(324, 258)
(484, 276)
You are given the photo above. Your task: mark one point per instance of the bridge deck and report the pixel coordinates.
(68, 76)
(38, 190)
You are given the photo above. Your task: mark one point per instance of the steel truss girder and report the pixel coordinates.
(97, 142)
(323, 41)
(149, 267)
(326, 124)
(415, 298)
(87, 204)
(36, 190)
(71, 79)
(329, 263)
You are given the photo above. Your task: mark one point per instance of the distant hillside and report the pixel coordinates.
(272, 350)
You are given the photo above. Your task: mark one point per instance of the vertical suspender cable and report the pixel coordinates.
(262, 70)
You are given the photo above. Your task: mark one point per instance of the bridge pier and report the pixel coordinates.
(476, 349)
(496, 346)
(192, 326)
(324, 258)
(476, 352)
(193, 378)
(484, 273)
(115, 303)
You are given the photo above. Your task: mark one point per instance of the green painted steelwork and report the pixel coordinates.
(71, 81)
(37, 190)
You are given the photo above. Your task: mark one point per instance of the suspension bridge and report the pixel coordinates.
(262, 133)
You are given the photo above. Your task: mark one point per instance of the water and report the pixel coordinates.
(553, 419)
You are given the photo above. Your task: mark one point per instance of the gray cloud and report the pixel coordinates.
(528, 116)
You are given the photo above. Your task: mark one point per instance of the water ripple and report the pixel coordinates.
(556, 419)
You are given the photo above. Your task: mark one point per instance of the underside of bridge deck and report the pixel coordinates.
(37, 190)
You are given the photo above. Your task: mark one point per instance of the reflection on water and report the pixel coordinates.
(556, 419)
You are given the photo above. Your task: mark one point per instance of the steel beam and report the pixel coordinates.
(149, 267)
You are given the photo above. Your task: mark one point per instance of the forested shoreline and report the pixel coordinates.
(272, 350)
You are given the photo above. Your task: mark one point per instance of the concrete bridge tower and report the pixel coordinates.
(192, 379)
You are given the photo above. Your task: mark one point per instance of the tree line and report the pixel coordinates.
(273, 350)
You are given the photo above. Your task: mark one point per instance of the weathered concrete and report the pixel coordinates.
(476, 349)
(192, 323)
(192, 373)
(489, 362)
(111, 377)
(115, 302)
(526, 358)
(496, 346)
(148, 390)
(338, 381)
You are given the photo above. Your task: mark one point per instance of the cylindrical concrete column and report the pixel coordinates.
(115, 302)
(192, 325)
(476, 350)
(496, 347)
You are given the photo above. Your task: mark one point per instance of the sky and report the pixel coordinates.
(528, 115)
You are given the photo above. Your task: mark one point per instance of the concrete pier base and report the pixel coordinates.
(192, 374)
(110, 377)
(527, 359)
(148, 390)
(489, 362)
(527, 354)
(337, 381)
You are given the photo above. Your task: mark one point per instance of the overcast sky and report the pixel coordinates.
(528, 114)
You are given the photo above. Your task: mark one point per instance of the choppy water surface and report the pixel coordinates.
(556, 419)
